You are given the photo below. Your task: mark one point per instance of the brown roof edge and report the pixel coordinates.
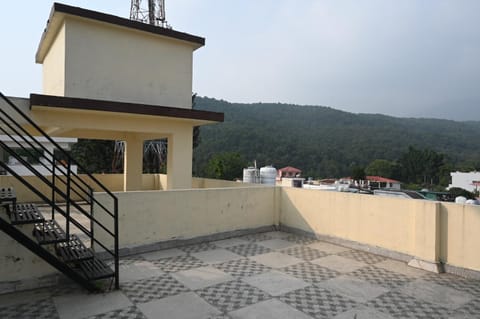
(108, 18)
(104, 17)
(122, 107)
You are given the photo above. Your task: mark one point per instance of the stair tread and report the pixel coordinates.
(49, 232)
(25, 214)
(73, 250)
(95, 269)
(7, 194)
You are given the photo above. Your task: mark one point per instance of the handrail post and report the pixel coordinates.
(68, 198)
(53, 189)
(92, 225)
(117, 268)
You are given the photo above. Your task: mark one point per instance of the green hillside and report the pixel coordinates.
(325, 142)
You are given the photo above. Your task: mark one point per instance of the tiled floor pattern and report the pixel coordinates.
(265, 275)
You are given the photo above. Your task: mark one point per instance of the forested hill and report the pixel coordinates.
(325, 142)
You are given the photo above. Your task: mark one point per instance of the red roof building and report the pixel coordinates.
(380, 179)
(288, 171)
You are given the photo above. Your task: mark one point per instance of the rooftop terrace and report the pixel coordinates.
(260, 275)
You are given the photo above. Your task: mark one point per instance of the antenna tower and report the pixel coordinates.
(149, 11)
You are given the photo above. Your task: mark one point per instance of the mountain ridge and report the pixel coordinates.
(326, 142)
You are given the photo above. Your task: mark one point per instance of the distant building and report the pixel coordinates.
(383, 182)
(290, 177)
(466, 180)
(288, 172)
(376, 182)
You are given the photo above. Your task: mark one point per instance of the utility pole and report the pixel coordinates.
(151, 12)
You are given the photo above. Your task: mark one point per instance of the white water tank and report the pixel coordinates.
(268, 175)
(250, 175)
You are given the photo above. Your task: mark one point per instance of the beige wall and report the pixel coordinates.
(460, 235)
(18, 263)
(198, 182)
(54, 66)
(427, 230)
(113, 182)
(115, 63)
(183, 214)
(397, 224)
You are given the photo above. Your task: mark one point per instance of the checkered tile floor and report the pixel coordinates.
(310, 285)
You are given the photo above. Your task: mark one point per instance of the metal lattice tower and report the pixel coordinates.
(149, 11)
(154, 154)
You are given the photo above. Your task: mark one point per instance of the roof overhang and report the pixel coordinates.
(80, 104)
(60, 11)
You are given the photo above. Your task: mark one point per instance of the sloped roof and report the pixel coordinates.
(381, 179)
(290, 169)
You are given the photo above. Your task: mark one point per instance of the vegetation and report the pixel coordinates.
(225, 166)
(94, 155)
(385, 168)
(324, 142)
(457, 191)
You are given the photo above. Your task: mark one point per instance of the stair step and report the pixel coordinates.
(25, 214)
(49, 232)
(73, 250)
(95, 269)
(7, 195)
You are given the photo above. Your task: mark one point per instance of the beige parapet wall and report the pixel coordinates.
(114, 182)
(460, 235)
(215, 183)
(156, 216)
(427, 230)
(402, 225)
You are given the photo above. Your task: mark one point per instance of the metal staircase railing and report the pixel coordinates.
(63, 191)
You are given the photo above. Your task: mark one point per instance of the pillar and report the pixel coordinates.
(179, 159)
(132, 173)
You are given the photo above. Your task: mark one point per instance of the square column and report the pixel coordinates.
(132, 173)
(179, 159)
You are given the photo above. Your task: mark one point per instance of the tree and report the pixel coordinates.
(196, 129)
(358, 173)
(457, 191)
(384, 168)
(94, 155)
(227, 166)
(422, 166)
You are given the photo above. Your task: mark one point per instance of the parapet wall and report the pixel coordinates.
(429, 231)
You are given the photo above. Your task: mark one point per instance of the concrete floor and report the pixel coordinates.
(265, 275)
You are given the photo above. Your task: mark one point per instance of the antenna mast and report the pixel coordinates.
(152, 12)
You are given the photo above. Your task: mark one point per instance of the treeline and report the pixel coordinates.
(325, 142)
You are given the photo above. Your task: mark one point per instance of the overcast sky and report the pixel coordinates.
(416, 58)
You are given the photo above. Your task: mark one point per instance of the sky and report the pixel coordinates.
(406, 58)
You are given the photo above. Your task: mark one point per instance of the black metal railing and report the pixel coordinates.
(67, 190)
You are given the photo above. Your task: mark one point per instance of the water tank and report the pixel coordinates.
(268, 175)
(250, 175)
(460, 200)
